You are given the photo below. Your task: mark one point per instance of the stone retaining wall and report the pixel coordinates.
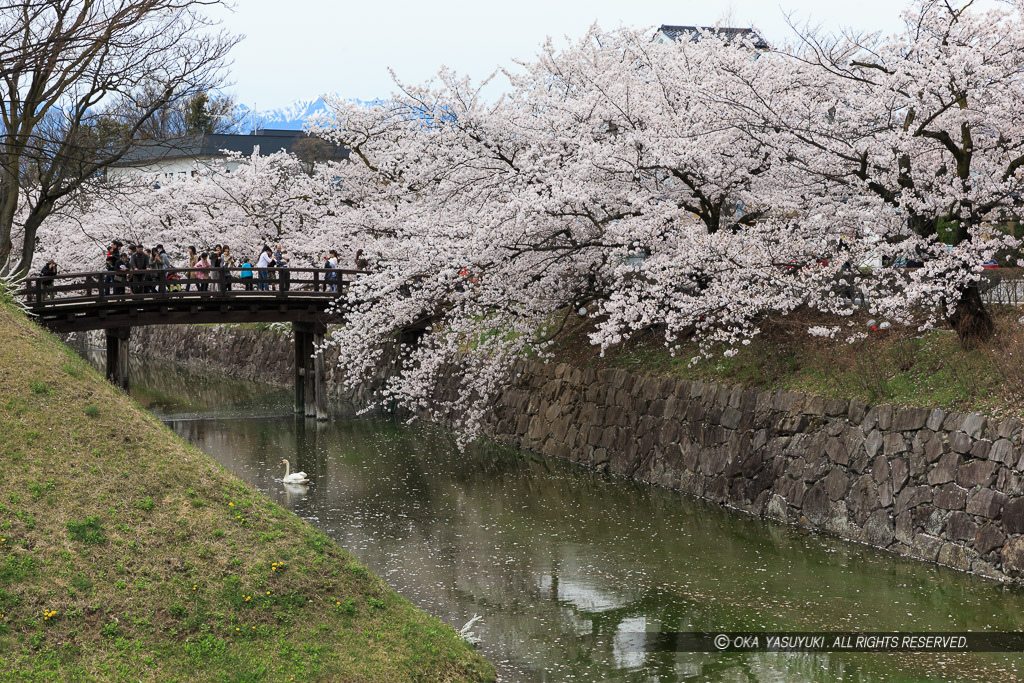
(942, 487)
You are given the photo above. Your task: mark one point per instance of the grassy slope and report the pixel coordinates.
(127, 554)
(898, 366)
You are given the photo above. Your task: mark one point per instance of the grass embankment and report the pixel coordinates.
(127, 554)
(897, 366)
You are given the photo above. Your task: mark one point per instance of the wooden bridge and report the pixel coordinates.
(117, 301)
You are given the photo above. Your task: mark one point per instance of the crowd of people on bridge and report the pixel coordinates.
(140, 270)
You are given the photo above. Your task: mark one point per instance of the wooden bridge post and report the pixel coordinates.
(299, 333)
(309, 369)
(320, 368)
(117, 356)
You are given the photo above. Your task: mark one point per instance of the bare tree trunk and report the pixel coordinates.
(971, 320)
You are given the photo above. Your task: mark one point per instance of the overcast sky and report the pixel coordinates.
(303, 48)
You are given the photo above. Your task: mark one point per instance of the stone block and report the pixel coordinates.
(1002, 451)
(795, 468)
(960, 527)
(814, 405)
(836, 451)
(880, 469)
(981, 448)
(870, 420)
(977, 473)
(862, 499)
(714, 460)
(836, 484)
(885, 415)
(960, 442)
(854, 440)
(934, 449)
(816, 504)
(974, 424)
(926, 547)
(911, 497)
(836, 407)
(988, 538)
(1013, 557)
(910, 419)
(1013, 515)
(956, 556)
(1009, 428)
(945, 470)
(900, 473)
(928, 519)
(778, 509)
(953, 422)
(950, 497)
(879, 529)
(856, 412)
(985, 503)
(730, 418)
(1009, 482)
(873, 443)
(893, 444)
(935, 418)
(904, 529)
(835, 427)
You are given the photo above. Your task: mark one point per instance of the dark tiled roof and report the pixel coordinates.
(269, 141)
(693, 33)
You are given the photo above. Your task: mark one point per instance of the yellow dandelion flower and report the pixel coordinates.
(268, 592)
(237, 629)
(231, 504)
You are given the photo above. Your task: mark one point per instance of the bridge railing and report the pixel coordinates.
(114, 286)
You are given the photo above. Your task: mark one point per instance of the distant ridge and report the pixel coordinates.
(292, 116)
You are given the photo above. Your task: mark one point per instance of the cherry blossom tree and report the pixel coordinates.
(929, 122)
(606, 181)
(266, 199)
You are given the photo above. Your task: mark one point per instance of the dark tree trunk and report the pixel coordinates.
(971, 319)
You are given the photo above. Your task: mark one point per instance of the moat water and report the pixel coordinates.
(568, 567)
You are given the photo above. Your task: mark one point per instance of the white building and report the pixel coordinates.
(182, 157)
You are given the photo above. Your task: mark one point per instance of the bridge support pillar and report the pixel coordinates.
(300, 335)
(310, 371)
(320, 369)
(117, 356)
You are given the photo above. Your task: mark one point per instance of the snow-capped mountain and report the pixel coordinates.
(290, 117)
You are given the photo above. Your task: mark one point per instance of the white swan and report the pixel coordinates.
(293, 477)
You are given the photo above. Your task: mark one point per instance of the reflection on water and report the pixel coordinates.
(568, 568)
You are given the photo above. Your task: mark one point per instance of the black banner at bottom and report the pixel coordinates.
(811, 641)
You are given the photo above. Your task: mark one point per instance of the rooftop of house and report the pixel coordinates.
(268, 140)
(672, 32)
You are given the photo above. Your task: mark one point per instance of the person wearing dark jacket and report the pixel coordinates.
(48, 272)
(140, 264)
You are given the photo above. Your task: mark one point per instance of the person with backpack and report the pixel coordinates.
(47, 274)
(246, 275)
